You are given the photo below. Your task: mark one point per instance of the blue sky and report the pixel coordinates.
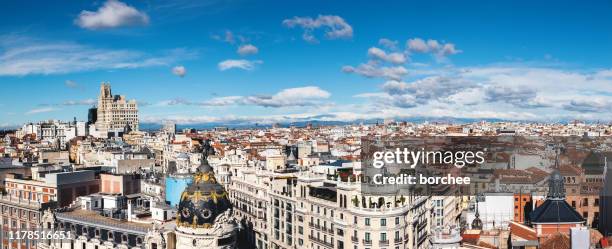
(308, 60)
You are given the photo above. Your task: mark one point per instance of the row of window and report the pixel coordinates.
(383, 221)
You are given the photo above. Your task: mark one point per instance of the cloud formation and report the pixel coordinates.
(25, 57)
(519, 96)
(40, 110)
(372, 70)
(395, 58)
(238, 64)
(388, 43)
(88, 102)
(420, 92)
(434, 47)
(71, 84)
(112, 14)
(334, 27)
(179, 71)
(290, 97)
(596, 105)
(299, 96)
(247, 49)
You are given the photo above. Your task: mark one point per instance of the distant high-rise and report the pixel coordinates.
(92, 115)
(115, 112)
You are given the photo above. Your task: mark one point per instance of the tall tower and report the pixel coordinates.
(115, 113)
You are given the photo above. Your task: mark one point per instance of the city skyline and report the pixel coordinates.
(248, 62)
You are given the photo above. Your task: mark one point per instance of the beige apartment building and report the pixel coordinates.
(115, 112)
(285, 208)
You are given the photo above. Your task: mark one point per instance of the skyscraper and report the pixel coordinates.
(115, 113)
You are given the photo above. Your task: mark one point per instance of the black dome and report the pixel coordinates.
(203, 200)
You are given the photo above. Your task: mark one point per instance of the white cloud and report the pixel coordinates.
(227, 37)
(247, 49)
(80, 102)
(519, 96)
(176, 101)
(112, 14)
(299, 96)
(589, 105)
(41, 110)
(71, 84)
(334, 27)
(389, 44)
(290, 97)
(239, 64)
(179, 71)
(371, 70)
(512, 92)
(28, 57)
(420, 92)
(438, 49)
(224, 101)
(395, 58)
(417, 45)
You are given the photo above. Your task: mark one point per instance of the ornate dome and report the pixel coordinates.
(204, 199)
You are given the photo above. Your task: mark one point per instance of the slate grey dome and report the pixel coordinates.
(204, 199)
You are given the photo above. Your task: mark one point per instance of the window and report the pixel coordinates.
(383, 222)
(397, 235)
(367, 221)
(383, 236)
(367, 236)
(397, 220)
(355, 220)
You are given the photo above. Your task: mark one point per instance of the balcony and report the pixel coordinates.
(355, 239)
(312, 225)
(367, 242)
(319, 241)
(383, 243)
(397, 241)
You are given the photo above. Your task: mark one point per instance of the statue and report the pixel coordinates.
(207, 149)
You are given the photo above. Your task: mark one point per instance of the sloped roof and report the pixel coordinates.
(555, 211)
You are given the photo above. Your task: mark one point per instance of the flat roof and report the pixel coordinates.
(90, 217)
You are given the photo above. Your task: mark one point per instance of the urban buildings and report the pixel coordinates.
(55, 132)
(26, 199)
(294, 187)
